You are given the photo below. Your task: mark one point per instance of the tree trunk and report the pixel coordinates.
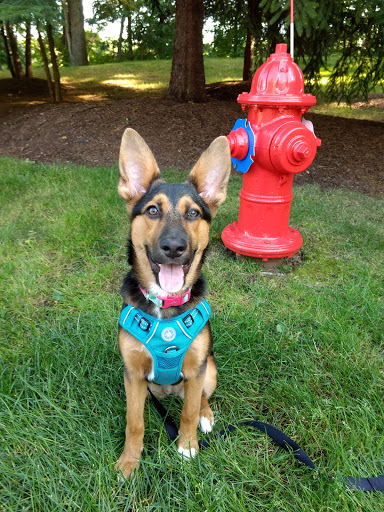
(55, 68)
(66, 27)
(129, 35)
(46, 67)
(7, 52)
(255, 25)
(119, 45)
(248, 56)
(187, 77)
(19, 72)
(28, 56)
(74, 17)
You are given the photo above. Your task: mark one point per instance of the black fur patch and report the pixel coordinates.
(174, 192)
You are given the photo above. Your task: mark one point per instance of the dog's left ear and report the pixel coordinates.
(211, 173)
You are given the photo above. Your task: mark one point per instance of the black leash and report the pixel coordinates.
(357, 484)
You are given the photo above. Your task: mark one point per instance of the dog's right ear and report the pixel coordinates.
(137, 168)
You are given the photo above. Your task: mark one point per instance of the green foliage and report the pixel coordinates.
(301, 349)
(36, 11)
(349, 27)
(154, 32)
(229, 41)
(100, 51)
(152, 29)
(361, 63)
(230, 30)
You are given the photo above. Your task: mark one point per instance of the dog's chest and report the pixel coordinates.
(166, 340)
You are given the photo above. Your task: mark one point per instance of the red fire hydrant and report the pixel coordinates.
(274, 144)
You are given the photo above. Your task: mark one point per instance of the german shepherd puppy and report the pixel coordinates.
(168, 240)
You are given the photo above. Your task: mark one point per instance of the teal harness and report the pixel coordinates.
(167, 340)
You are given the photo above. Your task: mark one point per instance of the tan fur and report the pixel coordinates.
(211, 185)
(137, 168)
(210, 175)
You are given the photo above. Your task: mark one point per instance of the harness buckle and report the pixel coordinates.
(144, 324)
(188, 321)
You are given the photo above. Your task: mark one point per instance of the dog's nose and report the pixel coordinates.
(173, 247)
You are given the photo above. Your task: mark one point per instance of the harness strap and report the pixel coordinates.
(356, 484)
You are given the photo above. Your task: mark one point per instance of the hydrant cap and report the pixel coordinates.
(279, 81)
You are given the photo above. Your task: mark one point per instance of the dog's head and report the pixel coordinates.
(170, 222)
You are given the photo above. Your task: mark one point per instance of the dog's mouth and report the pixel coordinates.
(171, 276)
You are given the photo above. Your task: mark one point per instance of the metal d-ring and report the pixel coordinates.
(170, 348)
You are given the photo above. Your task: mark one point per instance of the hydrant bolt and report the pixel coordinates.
(300, 151)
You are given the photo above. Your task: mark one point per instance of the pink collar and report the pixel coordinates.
(167, 302)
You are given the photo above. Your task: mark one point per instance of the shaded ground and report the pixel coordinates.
(351, 155)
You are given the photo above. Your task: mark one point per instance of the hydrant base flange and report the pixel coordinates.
(261, 247)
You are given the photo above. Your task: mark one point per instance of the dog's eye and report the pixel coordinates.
(152, 211)
(193, 214)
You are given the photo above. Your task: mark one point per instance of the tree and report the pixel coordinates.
(115, 10)
(40, 13)
(75, 33)
(351, 30)
(7, 52)
(46, 66)
(55, 67)
(18, 68)
(154, 29)
(187, 76)
(28, 55)
(248, 56)
(235, 30)
(150, 26)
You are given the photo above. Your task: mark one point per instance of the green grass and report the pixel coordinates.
(302, 350)
(134, 79)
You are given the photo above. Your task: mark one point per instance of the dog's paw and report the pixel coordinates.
(206, 424)
(188, 453)
(126, 468)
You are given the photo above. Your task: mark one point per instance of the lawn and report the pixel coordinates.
(139, 79)
(301, 349)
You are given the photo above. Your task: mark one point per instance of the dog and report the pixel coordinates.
(164, 333)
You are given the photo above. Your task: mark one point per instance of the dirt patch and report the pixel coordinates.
(351, 155)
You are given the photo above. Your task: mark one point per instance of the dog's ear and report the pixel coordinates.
(137, 168)
(211, 173)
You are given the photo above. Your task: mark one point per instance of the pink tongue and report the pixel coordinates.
(171, 277)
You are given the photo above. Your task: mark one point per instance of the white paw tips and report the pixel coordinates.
(188, 453)
(205, 425)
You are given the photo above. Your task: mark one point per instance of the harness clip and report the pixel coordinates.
(144, 324)
(188, 321)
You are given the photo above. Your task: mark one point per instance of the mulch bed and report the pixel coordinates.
(351, 155)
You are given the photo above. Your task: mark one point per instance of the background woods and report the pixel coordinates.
(343, 36)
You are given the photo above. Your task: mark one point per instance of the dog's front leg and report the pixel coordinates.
(136, 392)
(187, 443)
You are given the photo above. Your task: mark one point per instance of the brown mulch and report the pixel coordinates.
(351, 155)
